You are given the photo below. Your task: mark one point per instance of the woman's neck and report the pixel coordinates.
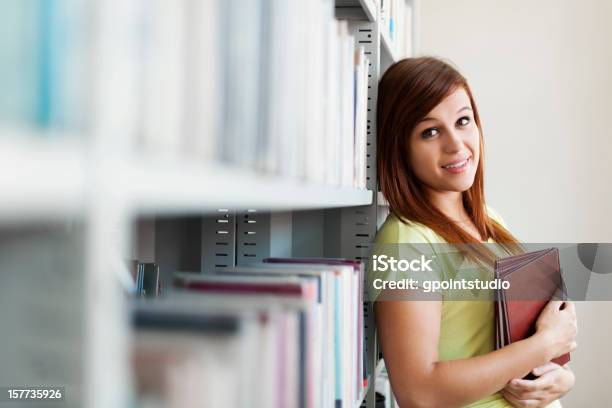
(450, 203)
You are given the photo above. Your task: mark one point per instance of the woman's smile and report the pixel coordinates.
(458, 166)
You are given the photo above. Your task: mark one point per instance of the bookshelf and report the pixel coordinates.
(360, 9)
(160, 190)
(388, 48)
(146, 185)
(29, 196)
(101, 178)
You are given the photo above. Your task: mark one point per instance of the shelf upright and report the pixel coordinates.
(358, 227)
(107, 359)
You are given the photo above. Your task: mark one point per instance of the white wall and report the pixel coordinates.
(541, 72)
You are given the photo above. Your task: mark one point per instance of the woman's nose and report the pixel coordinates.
(453, 141)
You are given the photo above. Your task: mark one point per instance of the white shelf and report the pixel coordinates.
(42, 177)
(369, 9)
(168, 188)
(53, 175)
(361, 9)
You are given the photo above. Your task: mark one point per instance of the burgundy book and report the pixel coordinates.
(534, 278)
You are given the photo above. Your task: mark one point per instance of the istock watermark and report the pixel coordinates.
(584, 271)
(384, 263)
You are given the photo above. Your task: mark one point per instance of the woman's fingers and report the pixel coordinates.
(531, 389)
(543, 369)
(519, 403)
(523, 386)
(555, 304)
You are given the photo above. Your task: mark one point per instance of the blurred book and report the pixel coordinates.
(395, 22)
(151, 284)
(145, 277)
(45, 71)
(291, 287)
(348, 307)
(187, 353)
(42, 296)
(333, 370)
(265, 85)
(360, 140)
(218, 343)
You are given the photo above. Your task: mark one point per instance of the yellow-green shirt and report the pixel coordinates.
(467, 327)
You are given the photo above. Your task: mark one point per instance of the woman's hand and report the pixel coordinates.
(559, 327)
(553, 382)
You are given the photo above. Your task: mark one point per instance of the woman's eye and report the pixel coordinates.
(464, 121)
(428, 133)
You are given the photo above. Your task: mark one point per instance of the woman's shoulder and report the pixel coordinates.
(394, 231)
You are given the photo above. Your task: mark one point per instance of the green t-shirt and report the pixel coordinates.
(467, 327)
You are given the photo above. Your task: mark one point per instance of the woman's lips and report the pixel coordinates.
(458, 167)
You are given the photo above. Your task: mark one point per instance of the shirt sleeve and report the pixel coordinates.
(416, 262)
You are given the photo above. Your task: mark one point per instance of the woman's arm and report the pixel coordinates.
(409, 332)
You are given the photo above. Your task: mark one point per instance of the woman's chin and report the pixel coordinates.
(459, 186)
(455, 183)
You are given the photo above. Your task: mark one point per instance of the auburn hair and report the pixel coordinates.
(407, 92)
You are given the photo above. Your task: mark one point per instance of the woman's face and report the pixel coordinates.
(444, 146)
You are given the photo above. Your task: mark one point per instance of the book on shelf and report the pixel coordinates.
(332, 369)
(358, 269)
(204, 79)
(360, 141)
(193, 350)
(44, 64)
(288, 286)
(343, 268)
(42, 292)
(395, 22)
(161, 64)
(264, 85)
(322, 342)
(346, 89)
(145, 277)
(243, 53)
(151, 284)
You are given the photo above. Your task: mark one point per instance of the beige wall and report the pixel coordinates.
(541, 72)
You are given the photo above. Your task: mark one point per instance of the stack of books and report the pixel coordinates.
(272, 86)
(395, 25)
(217, 351)
(45, 65)
(304, 346)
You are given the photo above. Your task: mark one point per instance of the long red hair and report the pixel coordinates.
(407, 92)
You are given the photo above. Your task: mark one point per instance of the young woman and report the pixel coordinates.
(441, 353)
